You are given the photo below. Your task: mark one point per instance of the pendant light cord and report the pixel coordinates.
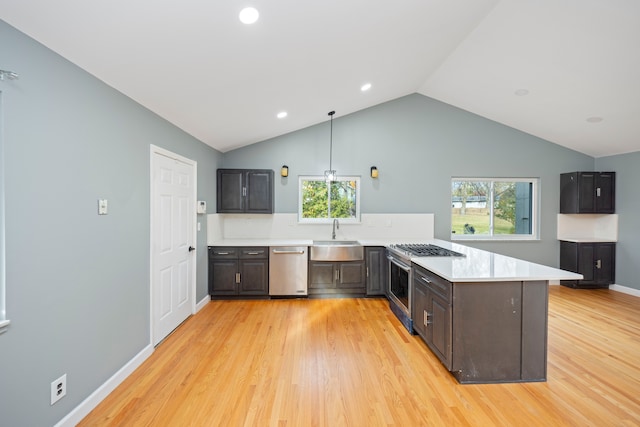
(331, 113)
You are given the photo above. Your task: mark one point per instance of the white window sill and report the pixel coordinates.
(478, 238)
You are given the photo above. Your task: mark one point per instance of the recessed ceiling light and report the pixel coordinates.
(282, 114)
(365, 87)
(521, 92)
(594, 119)
(249, 15)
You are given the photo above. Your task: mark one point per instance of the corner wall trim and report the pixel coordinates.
(4, 325)
(87, 405)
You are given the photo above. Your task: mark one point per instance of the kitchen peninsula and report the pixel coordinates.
(484, 315)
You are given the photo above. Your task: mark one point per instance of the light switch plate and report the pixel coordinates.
(102, 207)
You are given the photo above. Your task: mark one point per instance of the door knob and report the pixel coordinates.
(191, 248)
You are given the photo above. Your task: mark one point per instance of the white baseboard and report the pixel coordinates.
(625, 290)
(81, 411)
(204, 301)
(617, 288)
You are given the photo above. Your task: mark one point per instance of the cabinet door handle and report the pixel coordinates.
(244, 191)
(337, 275)
(598, 192)
(222, 253)
(424, 279)
(425, 318)
(599, 263)
(254, 253)
(237, 277)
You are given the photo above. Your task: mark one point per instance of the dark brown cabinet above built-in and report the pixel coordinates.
(245, 191)
(596, 261)
(587, 192)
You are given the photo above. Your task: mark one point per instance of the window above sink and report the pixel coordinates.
(321, 202)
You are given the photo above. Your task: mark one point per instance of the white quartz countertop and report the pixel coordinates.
(588, 240)
(262, 242)
(303, 242)
(476, 266)
(483, 266)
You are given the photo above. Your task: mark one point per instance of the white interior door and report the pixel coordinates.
(173, 203)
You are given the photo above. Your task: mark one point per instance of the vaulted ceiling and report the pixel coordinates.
(563, 70)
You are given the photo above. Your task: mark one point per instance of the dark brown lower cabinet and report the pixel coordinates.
(376, 264)
(336, 278)
(238, 271)
(596, 261)
(432, 311)
(483, 332)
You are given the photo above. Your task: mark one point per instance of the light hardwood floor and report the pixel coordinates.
(349, 362)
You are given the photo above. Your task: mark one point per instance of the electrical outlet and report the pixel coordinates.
(58, 389)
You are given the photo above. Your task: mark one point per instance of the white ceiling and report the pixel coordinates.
(193, 63)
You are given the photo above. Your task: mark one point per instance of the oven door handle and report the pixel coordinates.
(400, 264)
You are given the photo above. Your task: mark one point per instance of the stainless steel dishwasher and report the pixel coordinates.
(288, 270)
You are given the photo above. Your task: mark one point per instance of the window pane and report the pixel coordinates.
(524, 208)
(512, 208)
(504, 204)
(314, 199)
(343, 199)
(470, 210)
(320, 200)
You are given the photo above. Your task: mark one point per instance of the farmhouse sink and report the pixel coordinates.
(336, 250)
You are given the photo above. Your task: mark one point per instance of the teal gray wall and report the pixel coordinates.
(627, 168)
(77, 284)
(418, 144)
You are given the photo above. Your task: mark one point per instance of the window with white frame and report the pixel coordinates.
(321, 201)
(494, 208)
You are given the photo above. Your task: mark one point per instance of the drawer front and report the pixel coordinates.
(435, 283)
(219, 252)
(261, 252)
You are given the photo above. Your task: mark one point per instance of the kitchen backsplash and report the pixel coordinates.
(285, 226)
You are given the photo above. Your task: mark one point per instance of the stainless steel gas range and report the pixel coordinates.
(400, 276)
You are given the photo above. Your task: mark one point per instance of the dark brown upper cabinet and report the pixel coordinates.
(244, 191)
(588, 192)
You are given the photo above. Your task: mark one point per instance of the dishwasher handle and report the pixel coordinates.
(284, 252)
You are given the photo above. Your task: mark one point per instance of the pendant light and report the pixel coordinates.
(330, 174)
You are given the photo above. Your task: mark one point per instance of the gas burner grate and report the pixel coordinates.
(426, 250)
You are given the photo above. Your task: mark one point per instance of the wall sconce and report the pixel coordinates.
(374, 172)
(284, 171)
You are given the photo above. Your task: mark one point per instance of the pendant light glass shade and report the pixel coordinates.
(330, 175)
